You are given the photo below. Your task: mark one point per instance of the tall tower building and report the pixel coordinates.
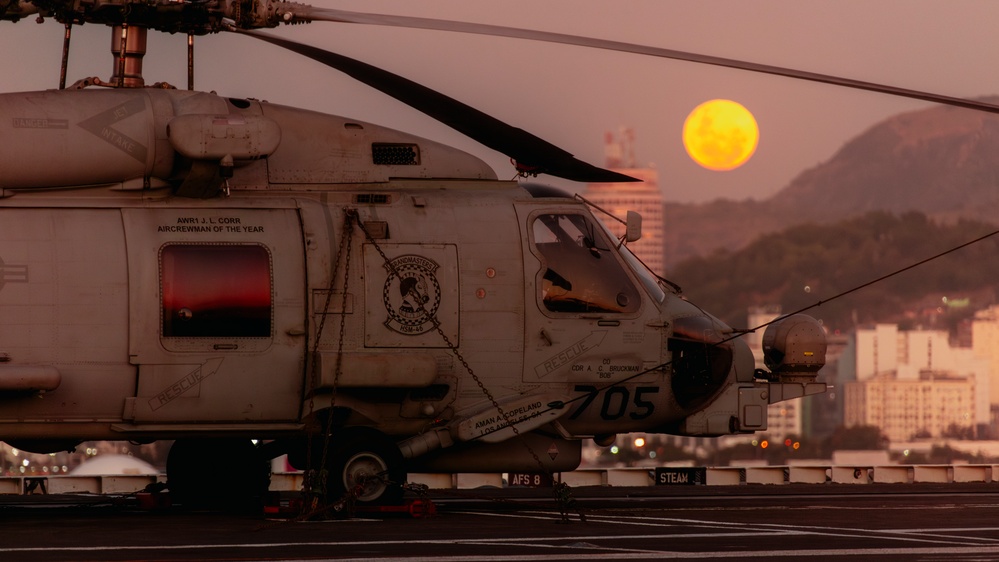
(877, 350)
(985, 343)
(642, 197)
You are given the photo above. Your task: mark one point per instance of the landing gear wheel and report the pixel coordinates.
(368, 465)
(222, 474)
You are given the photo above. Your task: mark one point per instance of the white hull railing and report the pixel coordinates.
(620, 477)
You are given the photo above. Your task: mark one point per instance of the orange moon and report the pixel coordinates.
(720, 135)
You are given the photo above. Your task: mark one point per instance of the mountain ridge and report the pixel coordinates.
(942, 161)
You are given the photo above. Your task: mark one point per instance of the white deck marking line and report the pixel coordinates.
(576, 545)
(772, 528)
(893, 534)
(343, 543)
(867, 553)
(742, 530)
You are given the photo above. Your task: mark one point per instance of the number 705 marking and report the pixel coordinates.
(617, 401)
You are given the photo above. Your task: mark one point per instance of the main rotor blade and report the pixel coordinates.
(532, 154)
(342, 16)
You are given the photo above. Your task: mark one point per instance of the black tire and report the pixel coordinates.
(217, 474)
(368, 464)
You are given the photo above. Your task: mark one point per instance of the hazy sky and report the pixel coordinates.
(571, 95)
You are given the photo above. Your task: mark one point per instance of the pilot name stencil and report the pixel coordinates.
(209, 225)
(513, 417)
(411, 294)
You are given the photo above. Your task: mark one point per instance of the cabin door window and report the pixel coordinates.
(215, 291)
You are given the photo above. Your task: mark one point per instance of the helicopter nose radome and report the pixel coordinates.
(702, 359)
(715, 377)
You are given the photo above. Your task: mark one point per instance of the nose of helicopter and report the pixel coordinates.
(705, 358)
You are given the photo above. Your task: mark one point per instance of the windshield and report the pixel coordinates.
(648, 278)
(580, 274)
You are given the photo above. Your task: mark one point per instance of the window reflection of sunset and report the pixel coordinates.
(215, 277)
(216, 290)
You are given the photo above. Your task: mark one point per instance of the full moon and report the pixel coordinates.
(720, 135)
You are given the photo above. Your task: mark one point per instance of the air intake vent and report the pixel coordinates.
(368, 198)
(386, 154)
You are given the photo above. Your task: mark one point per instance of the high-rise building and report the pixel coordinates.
(906, 408)
(877, 350)
(643, 197)
(985, 343)
(914, 383)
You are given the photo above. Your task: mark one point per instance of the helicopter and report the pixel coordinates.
(180, 265)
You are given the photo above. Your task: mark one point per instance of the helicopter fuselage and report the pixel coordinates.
(177, 264)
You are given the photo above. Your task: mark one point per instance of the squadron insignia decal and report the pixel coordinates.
(411, 294)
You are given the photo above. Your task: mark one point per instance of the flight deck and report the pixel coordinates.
(956, 521)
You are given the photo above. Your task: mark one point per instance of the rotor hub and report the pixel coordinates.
(128, 45)
(171, 16)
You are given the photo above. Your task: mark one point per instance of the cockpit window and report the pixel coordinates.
(645, 275)
(580, 272)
